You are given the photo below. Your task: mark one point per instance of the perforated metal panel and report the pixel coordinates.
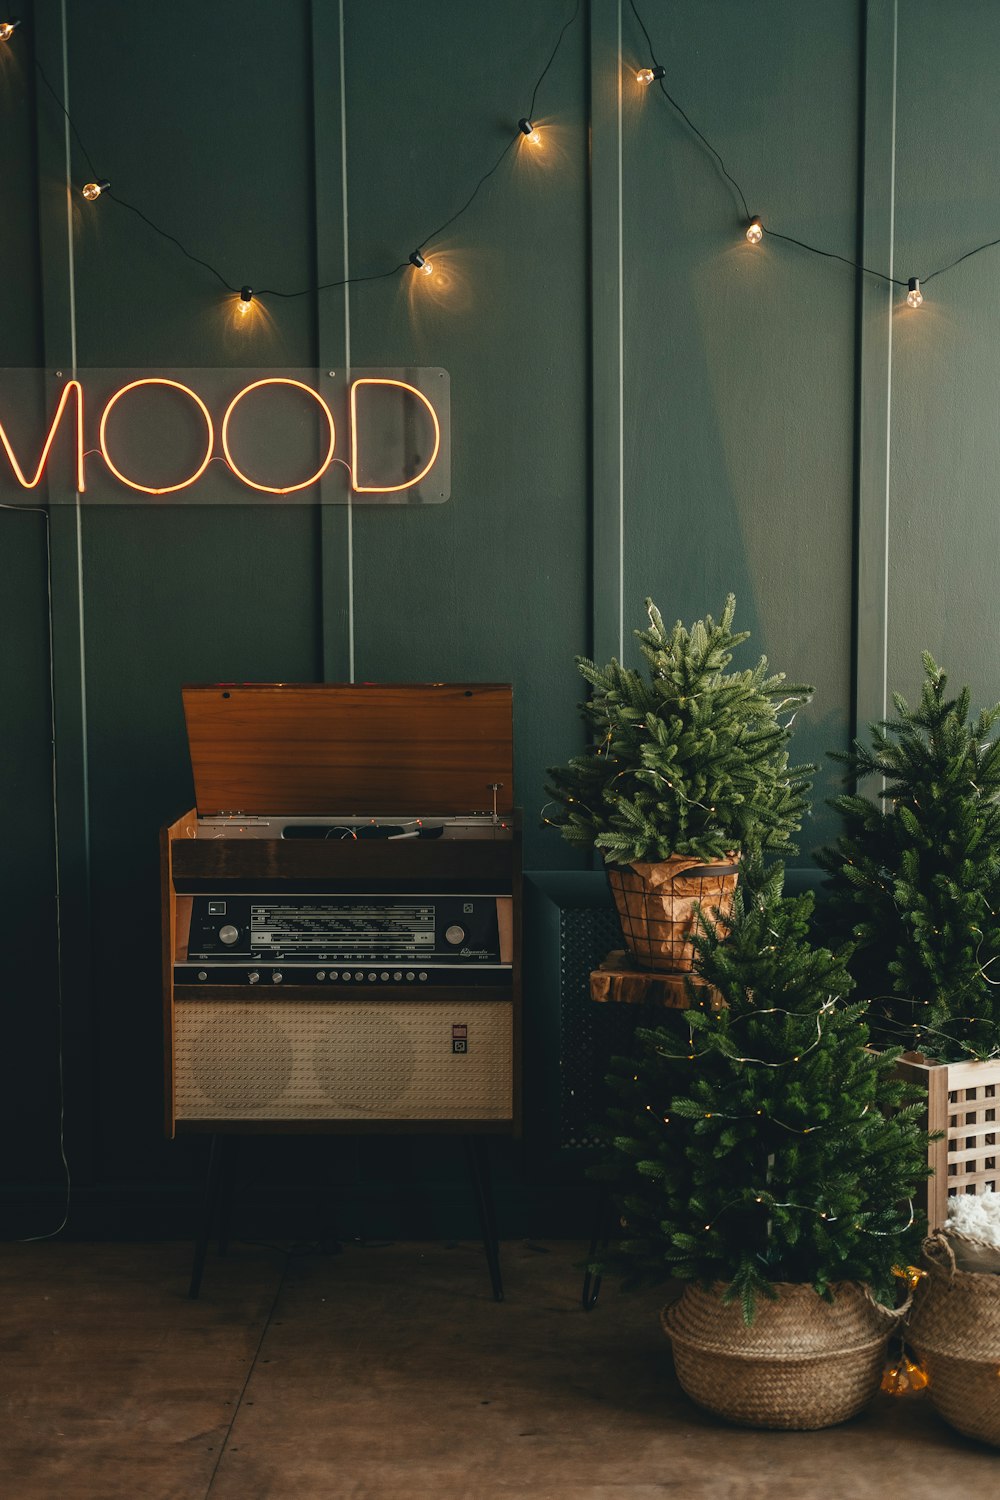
(590, 1034)
(310, 1060)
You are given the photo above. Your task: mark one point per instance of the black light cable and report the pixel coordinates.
(101, 187)
(656, 73)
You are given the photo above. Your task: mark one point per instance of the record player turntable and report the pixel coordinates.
(341, 912)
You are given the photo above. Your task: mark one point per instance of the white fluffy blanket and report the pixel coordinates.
(977, 1215)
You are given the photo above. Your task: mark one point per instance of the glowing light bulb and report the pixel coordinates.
(93, 190)
(7, 29)
(755, 230)
(246, 297)
(417, 261)
(646, 76)
(914, 296)
(526, 128)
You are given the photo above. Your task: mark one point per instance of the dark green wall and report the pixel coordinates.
(641, 403)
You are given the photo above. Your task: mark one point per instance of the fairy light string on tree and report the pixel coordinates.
(778, 1148)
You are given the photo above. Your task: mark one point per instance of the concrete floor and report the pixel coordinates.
(390, 1374)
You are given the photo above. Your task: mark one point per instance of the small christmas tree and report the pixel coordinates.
(761, 1142)
(919, 875)
(689, 760)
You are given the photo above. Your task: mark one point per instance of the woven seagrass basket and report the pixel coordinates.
(955, 1329)
(802, 1363)
(658, 905)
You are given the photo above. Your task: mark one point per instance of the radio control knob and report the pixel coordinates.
(334, 974)
(228, 934)
(409, 974)
(347, 975)
(384, 977)
(253, 976)
(202, 975)
(358, 974)
(454, 934)
(397, 976)
(320, 973)
(421, 975)
(277, 977)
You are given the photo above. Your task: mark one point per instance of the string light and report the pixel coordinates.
(772, 1202)
(903, 1375)
(645, 77)
(912, 1275)
(97, 186)
(657, 74)
(246, 297)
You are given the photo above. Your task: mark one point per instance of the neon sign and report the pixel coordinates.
(224, 436)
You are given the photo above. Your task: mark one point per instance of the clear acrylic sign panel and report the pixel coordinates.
(225, 436)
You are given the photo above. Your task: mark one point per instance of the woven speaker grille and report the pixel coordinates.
(309, 1060)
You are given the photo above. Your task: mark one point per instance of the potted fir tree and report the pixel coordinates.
(764, 1155)
(687, 769)
(917, 875)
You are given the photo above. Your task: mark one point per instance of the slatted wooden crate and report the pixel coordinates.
(963, 1100)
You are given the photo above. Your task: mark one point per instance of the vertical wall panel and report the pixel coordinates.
(491, 585)
(743, 370)
(739, 360)
(200, 134)
(28, 1078)
(944, 519)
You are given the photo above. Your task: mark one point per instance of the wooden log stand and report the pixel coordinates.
(617, 978)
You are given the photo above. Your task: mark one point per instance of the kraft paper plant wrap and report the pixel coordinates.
(659, 905)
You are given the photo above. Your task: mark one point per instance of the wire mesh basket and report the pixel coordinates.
(659, 906)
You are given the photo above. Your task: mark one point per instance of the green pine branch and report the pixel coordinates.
(688, 759)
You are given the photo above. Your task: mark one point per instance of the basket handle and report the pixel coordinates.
(894, 1315)
(936, 1248)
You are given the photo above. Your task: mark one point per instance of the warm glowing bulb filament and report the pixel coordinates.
(7, 29)
(914, 296)
(646, 76)
(755, 230)
(93, 190)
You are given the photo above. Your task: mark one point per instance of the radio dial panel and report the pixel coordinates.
(312, 939)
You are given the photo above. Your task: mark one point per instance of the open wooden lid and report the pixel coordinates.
(351, 748)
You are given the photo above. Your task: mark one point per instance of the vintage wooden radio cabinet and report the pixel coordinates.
(341, 912)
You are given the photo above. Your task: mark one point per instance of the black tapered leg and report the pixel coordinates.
(478, 1160)
(230, 1148)
(598, 1241)
(210, 1207)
